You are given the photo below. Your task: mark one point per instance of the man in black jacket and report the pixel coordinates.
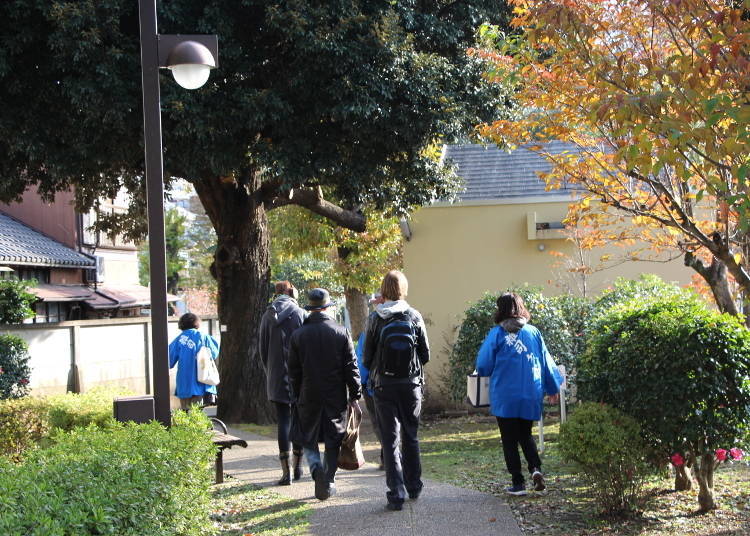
(280, 320)
(324, 378)
(396, 349)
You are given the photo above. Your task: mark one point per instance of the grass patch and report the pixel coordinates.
(466, 452)
(239, 508)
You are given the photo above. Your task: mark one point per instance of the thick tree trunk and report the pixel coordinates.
(241, 268)
(356, 304)
(705, 477)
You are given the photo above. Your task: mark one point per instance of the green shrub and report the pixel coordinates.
(547, 314)
(681, 370)
(613, 457)
(22, 426)
(72, 410)
(14, 367)
(29, 421)
(15, 301)
(647, 287)
(127, 480)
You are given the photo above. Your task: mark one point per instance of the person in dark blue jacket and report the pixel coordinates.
(282, 318)
(183, 351)
(521, 372)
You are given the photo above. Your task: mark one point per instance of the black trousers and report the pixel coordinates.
(398, 408)
(515, 432)
(284, 425)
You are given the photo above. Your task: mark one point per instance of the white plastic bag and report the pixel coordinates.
(207, 371)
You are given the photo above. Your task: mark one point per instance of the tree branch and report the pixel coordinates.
(312, 200)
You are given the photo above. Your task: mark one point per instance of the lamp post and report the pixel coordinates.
(190, 58)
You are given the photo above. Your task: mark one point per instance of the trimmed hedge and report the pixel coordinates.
(547, 314)
(22, 426)
(678, 368)
(27, 422)
(564, 321)
(613, 457)
(126, 480)
(682, 371)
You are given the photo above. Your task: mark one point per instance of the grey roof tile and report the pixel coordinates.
(20, 244)
(493, 173)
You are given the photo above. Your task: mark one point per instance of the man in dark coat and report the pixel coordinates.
(280, 320)
(324, 378)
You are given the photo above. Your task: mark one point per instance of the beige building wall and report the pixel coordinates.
(456, 253)
(120, 267)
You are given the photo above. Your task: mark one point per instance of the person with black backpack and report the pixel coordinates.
(396, 350)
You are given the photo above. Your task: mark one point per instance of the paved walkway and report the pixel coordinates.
(358, 508)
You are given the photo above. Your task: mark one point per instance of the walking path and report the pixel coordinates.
(358, 508)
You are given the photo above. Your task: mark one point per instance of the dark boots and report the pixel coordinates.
(324, 475)
(297, 464)
(332, 460)
(285, 477)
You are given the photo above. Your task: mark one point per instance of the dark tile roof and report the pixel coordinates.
(492, 173)
(20, 244)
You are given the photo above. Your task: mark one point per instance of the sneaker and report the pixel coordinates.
(394, 507)
(538, 479)
(516, 489)
(322, 490)
(415, 494)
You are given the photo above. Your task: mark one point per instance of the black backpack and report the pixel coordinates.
(398, 348)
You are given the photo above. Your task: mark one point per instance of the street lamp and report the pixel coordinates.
(190, 58)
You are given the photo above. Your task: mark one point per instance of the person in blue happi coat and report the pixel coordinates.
(364, 375)
(183, 351)
(521, 372)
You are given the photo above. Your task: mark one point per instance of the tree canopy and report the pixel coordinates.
(340, 93)
(655, 95)
(339, 96)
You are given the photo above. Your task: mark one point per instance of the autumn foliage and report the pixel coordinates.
(656, 95)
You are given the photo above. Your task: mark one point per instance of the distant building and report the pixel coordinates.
(498, 234)
(78, 273)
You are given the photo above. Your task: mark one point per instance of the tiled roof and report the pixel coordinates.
(492, 173)
(20, 244)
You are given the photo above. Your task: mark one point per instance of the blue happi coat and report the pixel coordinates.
(521, 372)
(182, 352)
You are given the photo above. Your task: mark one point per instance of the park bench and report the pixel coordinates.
(224, 441)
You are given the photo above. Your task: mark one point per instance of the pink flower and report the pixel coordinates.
(23, 381)
(2, 371)
(677, 460)
(736, 453)
(721, 454)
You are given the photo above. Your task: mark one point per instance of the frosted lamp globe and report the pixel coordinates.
(190, 76)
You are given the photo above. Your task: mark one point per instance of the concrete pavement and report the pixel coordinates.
(358, 508)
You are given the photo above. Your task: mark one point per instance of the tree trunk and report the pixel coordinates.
(705, 477)
(683, 479)
(356, 304)
(715, 276)
(241, 268)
